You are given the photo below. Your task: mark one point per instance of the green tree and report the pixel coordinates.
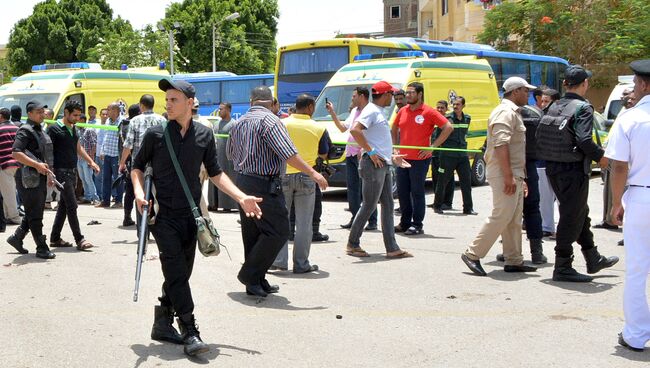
(135, 48)
(245, 45)
(59, 32)
(583, 32)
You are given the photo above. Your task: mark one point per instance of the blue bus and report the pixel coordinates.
(212, 88)
(307, 66)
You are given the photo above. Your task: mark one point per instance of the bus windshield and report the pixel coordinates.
(315, 60)
(340, 97)
(48, 99)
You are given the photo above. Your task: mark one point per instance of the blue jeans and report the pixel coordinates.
(377, 187)
(98, 179)
(86, 176)
(410, 191)
(532, 215)
(300, 191)
(110, 174)
(354, 188)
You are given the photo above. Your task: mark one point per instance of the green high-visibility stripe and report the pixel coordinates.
(460, 125)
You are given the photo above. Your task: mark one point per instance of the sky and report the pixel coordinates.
(300, 20)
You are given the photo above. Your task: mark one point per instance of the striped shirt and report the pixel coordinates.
(110, 145)
(259, 143)
(7, 137)
(138, 127)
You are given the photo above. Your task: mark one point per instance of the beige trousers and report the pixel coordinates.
(505, 221)
(8, 190)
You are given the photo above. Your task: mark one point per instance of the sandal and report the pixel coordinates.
(60, 244)
(399, 254)
(356, 252)
(84, 245)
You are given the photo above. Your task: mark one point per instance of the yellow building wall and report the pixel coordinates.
(463, 21)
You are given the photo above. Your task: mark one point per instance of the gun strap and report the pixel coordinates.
(179, 172)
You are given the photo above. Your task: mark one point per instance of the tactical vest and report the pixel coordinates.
(555, 134)
(29, 175)
(531, 116)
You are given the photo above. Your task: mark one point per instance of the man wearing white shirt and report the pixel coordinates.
(627, 148)
(372, 132)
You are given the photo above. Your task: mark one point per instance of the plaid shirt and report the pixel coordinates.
(110, 145)
(88, 141)
(138, 127)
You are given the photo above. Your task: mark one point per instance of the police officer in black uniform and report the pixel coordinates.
(564, 140)
(33, 149)
(175, 227)
(458, 161)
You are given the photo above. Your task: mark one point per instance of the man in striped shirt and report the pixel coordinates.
(260, 149)
(109, 152)
(8, 166)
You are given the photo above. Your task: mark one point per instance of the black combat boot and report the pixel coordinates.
(16, 240)
(536, 252)
(42, 250)
(596, 262)
(564, 271)
(191, 337)
(163, 326)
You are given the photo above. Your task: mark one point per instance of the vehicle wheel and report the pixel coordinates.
(478, 171)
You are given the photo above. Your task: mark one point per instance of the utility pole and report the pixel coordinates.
(232, 16)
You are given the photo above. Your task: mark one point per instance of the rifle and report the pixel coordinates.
(58, 185)
(142, 231)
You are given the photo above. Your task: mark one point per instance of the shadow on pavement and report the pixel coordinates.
(171, 352)
(273, 301)
(320, 274)
(501, 275)
(631, 355)
(24, 259)
(378, 257)
(582, 287)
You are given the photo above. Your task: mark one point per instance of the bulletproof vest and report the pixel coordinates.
(45, 147)
(555, 134)
(531, 116)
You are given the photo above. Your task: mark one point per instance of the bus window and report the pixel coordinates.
(79, 97)
(316, 60)
(238, 91)
(364, 49)
(551, 79)
(208, 93)
(495, 63)
(515, 68)
(537, 73)
(268, 82)
(560, 74)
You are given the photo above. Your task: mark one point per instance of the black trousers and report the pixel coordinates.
(571, 188)
(532, 216)
(175, 236)
(129, 196)
(67, 206)
(264, 238)
(435, 177)
(34, 204)
(3, 220)
(461, 165)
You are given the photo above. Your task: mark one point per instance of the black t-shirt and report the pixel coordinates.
(196, 148)
(25, 140)
(64, 141)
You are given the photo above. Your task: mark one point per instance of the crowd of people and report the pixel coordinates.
(272, 171)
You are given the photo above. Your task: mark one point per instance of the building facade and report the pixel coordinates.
(452, 20)
(401, 18)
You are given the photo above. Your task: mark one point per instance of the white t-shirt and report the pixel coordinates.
(628, 141)
(377, 131)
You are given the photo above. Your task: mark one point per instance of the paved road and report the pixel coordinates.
(427, 311)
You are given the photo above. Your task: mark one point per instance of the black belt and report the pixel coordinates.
(263, 177)
(640, 186)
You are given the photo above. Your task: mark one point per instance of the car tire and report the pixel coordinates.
(478, 171)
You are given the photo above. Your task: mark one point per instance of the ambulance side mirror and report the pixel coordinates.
(609, 123)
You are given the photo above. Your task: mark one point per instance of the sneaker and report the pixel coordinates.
(103, 205)
(414, 231)
(117, 205)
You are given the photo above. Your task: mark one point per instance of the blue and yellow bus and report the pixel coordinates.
(212, 88)
(307, 66)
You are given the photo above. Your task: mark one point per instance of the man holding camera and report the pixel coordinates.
(313, 142)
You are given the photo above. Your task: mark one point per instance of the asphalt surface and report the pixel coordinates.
(426, 311)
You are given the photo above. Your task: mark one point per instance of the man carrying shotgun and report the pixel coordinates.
(175, 228)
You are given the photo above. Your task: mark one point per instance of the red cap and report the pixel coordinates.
(382, 87)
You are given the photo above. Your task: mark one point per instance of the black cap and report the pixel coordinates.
(34, 105)
(180, 85)
(641, 67)
(576, 74)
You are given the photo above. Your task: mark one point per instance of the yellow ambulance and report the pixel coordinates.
(87, 83)
(443, 79)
